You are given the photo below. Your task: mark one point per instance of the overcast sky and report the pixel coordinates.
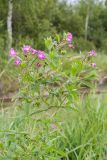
(73, 1)
(69, 1)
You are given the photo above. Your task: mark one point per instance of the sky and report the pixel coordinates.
(69, 1)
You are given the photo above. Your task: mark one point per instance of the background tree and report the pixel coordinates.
(9, 24)
(33, 20)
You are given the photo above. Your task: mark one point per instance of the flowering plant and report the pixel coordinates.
(49, 80)
(53, 78)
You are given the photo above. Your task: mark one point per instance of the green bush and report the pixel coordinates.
(83, 45)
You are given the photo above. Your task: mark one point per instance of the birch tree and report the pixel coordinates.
(9, 24)
(86, 23)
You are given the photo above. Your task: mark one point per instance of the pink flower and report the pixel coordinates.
(26, 49)
(41, 55)
(93, 53)
(69, 37)
(12, 52)
(34, 51)
(17, 61)
(93, 65)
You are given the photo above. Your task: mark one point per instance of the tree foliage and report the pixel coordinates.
(33, 20)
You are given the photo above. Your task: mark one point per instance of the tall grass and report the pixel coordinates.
(86, 130)
(79, 134)
(101, 61)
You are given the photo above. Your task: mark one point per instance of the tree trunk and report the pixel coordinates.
(86, 24)
(9, 24)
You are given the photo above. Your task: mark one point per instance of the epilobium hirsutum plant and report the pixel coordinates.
(53, 78)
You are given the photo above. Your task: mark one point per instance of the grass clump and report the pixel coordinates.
(68, 135)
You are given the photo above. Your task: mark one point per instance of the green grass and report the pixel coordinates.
(86, 130)
(81, 134)
(101, 61)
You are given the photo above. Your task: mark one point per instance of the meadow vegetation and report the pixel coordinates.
(57, 109)
(52, 120)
